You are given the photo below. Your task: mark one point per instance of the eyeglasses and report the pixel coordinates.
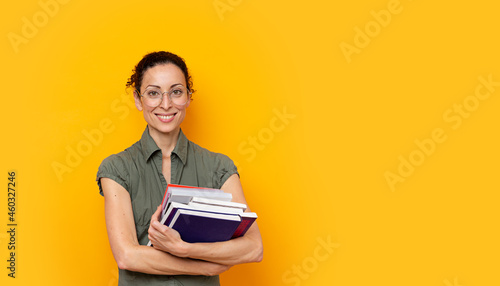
(179, 95)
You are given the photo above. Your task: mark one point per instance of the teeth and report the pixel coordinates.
(165, 117)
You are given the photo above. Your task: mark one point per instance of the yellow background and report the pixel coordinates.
(320, 177)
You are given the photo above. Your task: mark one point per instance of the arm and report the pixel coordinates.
(245, 249)
(129, 254)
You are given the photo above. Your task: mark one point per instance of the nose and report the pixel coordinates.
(165, 101)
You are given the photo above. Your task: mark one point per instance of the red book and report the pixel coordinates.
(247, 220)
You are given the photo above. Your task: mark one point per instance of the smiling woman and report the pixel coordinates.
(133, 182)
(162, 115)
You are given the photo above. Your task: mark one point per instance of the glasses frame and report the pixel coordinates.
(169, 95)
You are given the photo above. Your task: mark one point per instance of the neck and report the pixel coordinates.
(166, 141)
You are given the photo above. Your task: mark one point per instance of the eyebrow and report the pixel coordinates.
(157, 86)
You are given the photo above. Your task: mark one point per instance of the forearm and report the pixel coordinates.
(235, 251)
(145, 259)
(240, 250)
(129, 255)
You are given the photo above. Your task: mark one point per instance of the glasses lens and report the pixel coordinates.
(179, 95)
(152, 96)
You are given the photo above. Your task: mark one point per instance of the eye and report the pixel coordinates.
(177, 92)
(153, 93)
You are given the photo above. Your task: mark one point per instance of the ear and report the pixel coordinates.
(137, 100)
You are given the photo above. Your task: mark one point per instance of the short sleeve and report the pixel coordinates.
(114, 168)
(225, 167)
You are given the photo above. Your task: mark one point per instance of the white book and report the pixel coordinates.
(248, 215)
(202, 214)
(184, 196)
(172, 188)
(213, 208)
(206, 208)
(184, 190)
(212, 202)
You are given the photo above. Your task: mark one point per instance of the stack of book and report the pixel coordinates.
(204, 215)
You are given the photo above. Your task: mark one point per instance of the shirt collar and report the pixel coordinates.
(149, 146)
(181, 147)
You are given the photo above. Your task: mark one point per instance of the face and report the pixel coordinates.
(166, 118)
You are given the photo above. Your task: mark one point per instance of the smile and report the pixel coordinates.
(165, 117)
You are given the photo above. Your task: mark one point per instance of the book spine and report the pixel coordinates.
(245, 224)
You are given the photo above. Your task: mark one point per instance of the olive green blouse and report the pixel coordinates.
(139, 170)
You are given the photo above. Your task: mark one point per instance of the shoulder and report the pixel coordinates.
(213, 159)
(121, 159)
(215, 167)
(118, 166)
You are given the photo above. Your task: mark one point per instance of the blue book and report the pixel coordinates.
(202, 226)
(174, 207)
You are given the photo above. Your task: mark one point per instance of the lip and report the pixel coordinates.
(165, 118)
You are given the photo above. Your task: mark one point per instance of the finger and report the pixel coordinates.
(156, 225)
(151, 231)
(155, 216)
(158, 211)
(155, 238)
(156, 232)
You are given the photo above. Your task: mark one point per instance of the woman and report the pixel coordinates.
(133, 183)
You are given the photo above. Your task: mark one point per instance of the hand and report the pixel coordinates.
(166, 239)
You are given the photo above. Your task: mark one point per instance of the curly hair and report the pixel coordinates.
(153, 59)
